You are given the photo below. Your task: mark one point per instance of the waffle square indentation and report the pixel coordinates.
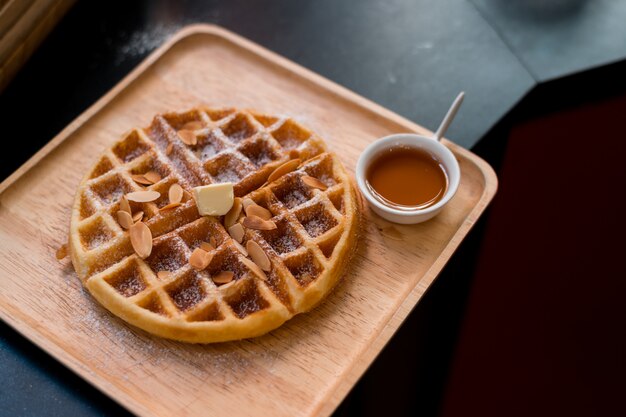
(292, 192)
(207, 147)
(247, 300)
(128, 280)
(304, 267)
(187, 291)
(315, 219)
(130, 147)
(168, 254)
(238, 129)
(290, 135)
(283, 239)
(110, 190)
(95, 234)
(202, 230)
(151, 164)
(227, 168)
(103, 166)
(259, 152)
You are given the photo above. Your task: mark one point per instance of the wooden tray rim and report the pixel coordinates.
(343, 383)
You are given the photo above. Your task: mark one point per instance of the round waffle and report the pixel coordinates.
(281, 173)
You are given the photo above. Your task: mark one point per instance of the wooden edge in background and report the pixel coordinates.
(10, 12)
(19, 52)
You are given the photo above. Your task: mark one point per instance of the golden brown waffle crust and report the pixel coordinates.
(319, 226)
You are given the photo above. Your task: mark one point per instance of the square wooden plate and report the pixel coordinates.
(305, 367)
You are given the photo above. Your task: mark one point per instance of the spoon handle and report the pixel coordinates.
(449, 117)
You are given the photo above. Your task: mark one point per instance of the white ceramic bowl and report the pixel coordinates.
(428, 144)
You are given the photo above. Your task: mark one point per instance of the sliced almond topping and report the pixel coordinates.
(169, 149)
(143, 196)
(206, 246)
(240, 248)
(137, 216)
(141, 239)
(213, 242)
(236, 231)
(294, 154)
(188, 137)
(195, 125)
(175, 193)
(233, 214)
(257, 223)
(254, 268)
(153, 176)
(314, 182)
(285, 168)
(141, 179)
(170, 206)
(256, 210)
(200, 259)
(258, 255)
(223, 277)
(61, 252)
(125, 206)
(124, 219)
(247, 202)
(164, 275)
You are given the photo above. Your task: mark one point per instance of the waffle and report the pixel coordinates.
(312, 209)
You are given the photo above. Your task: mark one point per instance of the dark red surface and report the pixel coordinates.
(545, 329)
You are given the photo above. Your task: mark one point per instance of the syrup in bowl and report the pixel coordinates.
(406, 178)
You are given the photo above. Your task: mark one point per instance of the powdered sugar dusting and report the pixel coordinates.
(188, 295)
(317, 225)
(144, 41)
(294, 198)
(227, 175)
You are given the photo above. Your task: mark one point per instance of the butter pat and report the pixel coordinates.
(214, 199)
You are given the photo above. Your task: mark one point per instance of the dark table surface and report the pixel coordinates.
(412, 56)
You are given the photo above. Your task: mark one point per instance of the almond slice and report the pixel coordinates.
(254, 268)
(169, 149)
(170, 206)
(137, 216)
(213, 242)
(257, 223)
(175, 193)
(285, 168)
(240, 248)
(233, 214)
(256, 210)
(206, 246)
(247, 202)
(223, 277)
(143, 196)
(61, 252)
(194, 125)
(200, 259)
(141, 179)
(125, 206)
(314, 182)
(152, 176)
(294, 154)
(124, 219)
(141, 239)
(164, 275)
(188, 137)
(258, 255)
(236, 231)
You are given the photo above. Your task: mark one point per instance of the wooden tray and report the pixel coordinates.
(304, 368)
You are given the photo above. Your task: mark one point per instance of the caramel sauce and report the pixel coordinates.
(407, 178)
